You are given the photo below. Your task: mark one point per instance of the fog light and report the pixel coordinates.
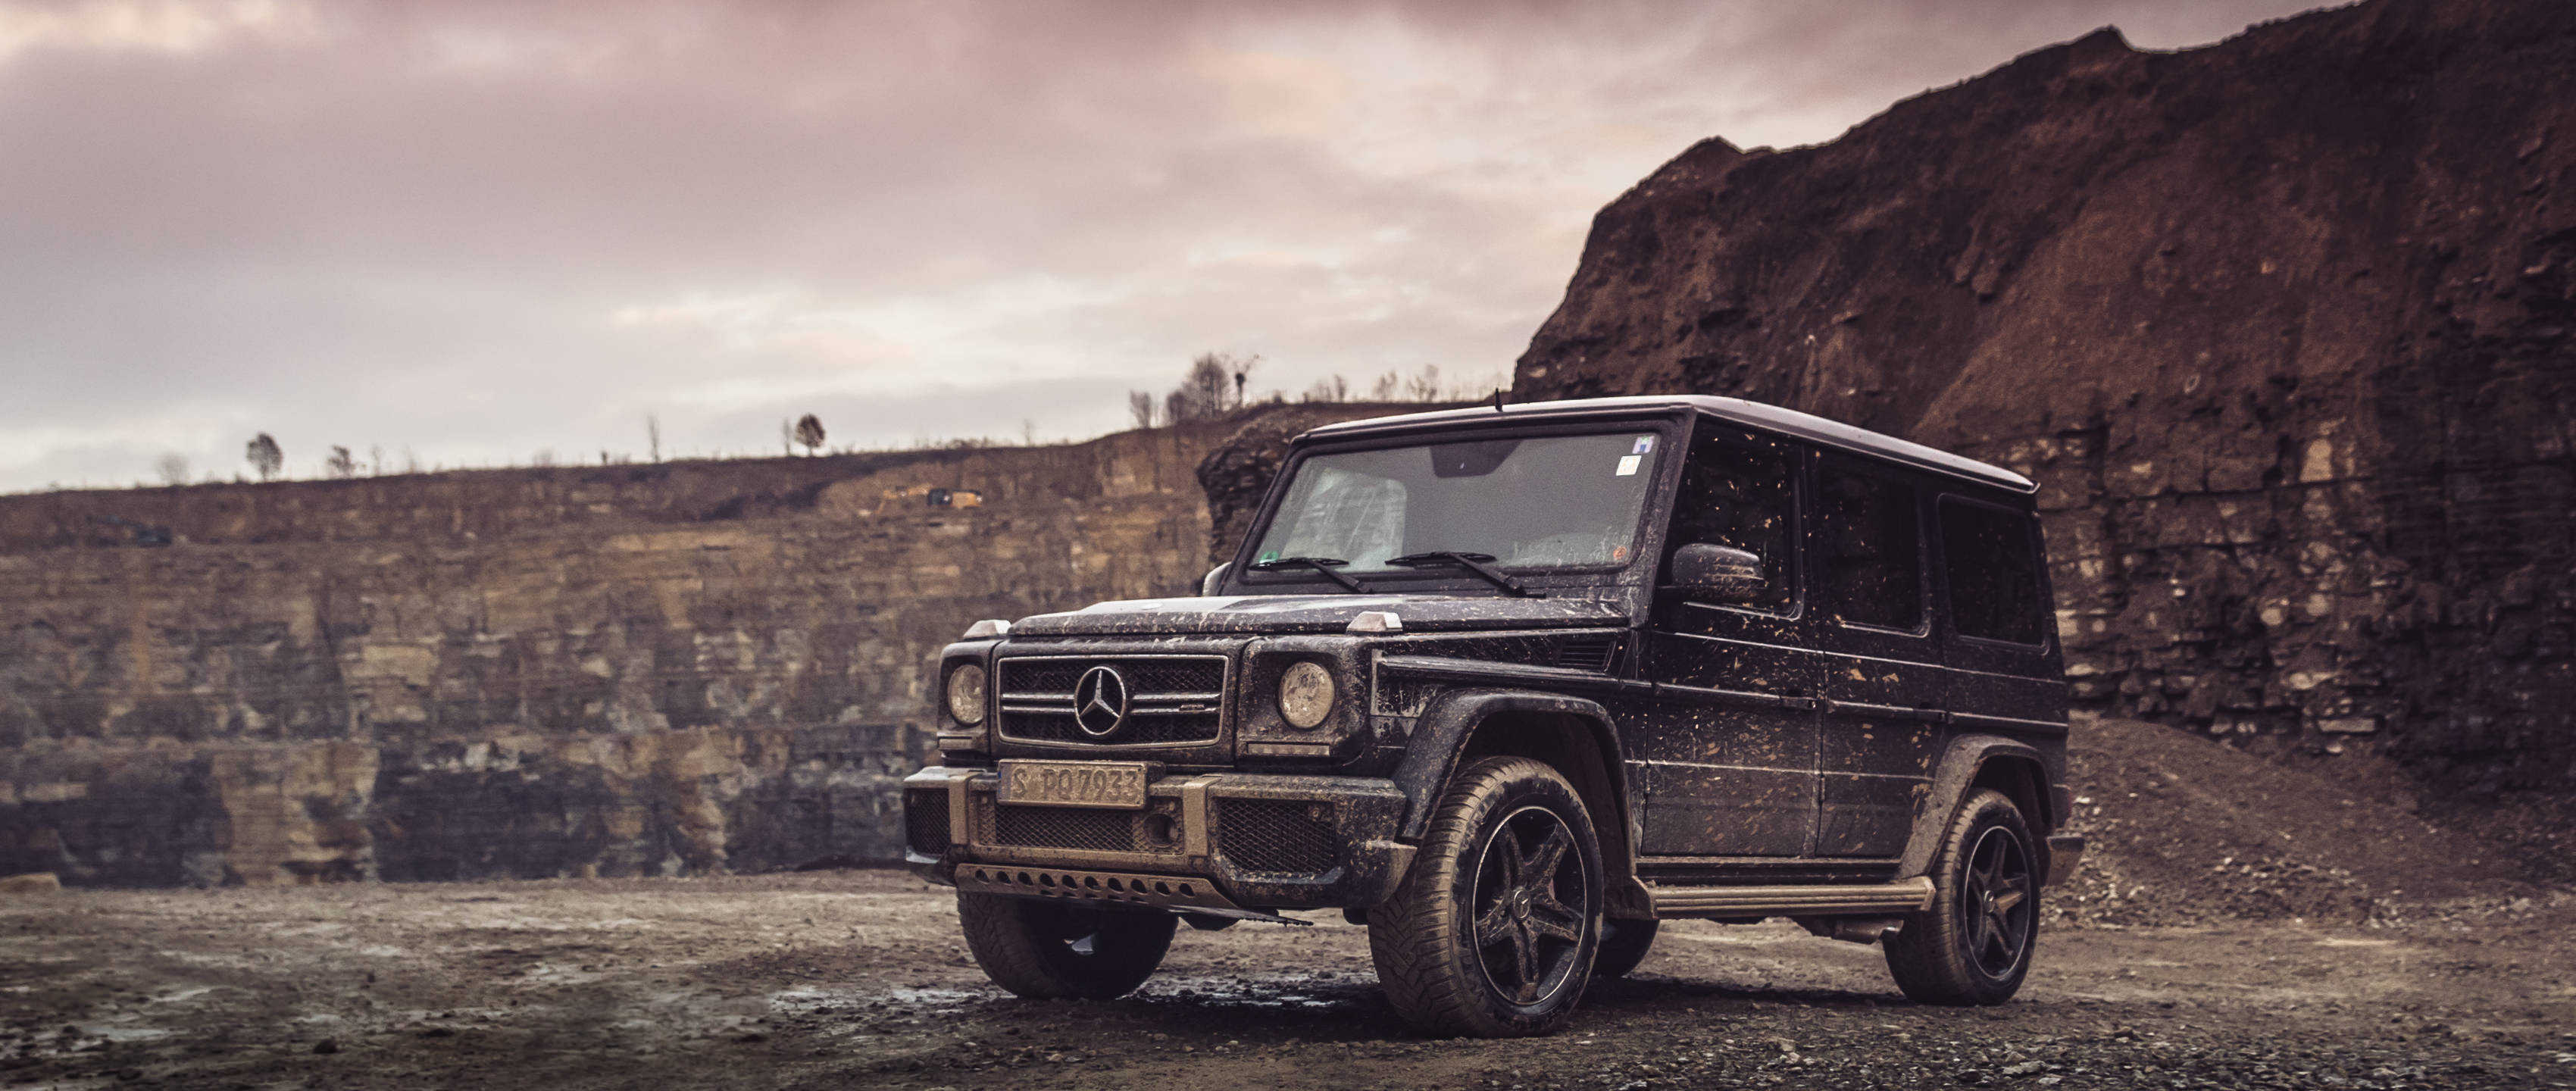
(966, 694)
(1306, 695)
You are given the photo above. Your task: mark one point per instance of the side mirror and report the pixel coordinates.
(1215, 578)
(1716, 573)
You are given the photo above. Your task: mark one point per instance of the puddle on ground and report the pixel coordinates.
(1283, 992)
(555, 973)
(122, 1033)
(204, 958)
(1297, 992)
(938, 997)
(809, 1000)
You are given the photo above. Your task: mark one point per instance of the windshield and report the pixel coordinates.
(1532, 502)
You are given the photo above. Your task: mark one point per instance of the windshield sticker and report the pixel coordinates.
(1628, 465)
(1644, 445)
(1267, 556)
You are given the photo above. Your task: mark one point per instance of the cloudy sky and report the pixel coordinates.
(467, 233)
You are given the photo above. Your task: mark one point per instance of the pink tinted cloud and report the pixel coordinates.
(436, 225)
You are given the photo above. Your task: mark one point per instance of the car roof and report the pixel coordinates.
(1754, 415)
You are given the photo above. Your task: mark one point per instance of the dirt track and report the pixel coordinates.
(857, 979)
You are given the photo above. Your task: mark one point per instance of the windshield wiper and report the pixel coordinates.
(1472, 562)
(1325, 565)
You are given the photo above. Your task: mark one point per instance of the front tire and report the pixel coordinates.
(1974, 945)
(1047, 950)
(1493, 931)
(1624, 943)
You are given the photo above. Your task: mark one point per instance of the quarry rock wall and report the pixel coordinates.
(637, 669)
(2281, 327)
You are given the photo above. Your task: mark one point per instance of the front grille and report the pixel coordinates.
(1275, 835)
(1150, 674)
(1173, 700)
(925, 820)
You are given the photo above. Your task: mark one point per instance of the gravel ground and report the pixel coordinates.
(844, 979)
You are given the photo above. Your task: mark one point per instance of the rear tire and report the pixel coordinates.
(1974, 945)
(1048, 950)
(1624, 944)
(1493, 931)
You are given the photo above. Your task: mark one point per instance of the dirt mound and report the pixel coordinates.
(2184, 830)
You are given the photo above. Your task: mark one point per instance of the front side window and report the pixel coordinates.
(1531, 502)
(1739, 494)
(1993, 570)
(1871, 568)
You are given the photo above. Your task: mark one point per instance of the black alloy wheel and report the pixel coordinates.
(1995, 901)
(1527, 934)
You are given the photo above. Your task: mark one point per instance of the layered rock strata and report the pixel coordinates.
(683, 667)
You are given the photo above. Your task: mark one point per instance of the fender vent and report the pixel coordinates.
(1590, 653)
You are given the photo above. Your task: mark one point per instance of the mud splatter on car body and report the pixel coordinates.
(1774, 655)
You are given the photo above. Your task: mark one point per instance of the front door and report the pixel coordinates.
(1729, 742)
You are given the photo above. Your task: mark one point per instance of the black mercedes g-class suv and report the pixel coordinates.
(1511, 685)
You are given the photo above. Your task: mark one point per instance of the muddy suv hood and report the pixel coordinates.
(1319, 613)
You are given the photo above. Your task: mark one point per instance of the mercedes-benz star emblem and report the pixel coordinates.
(1100, 701)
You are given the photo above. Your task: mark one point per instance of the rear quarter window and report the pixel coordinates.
(1991, 557)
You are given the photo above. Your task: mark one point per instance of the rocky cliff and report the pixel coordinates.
(2281, 326)
(679, 667)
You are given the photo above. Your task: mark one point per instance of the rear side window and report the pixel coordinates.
(1872, 574)
(1992, 561)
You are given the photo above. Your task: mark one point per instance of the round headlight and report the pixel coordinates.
(966, 694)
(1306, 694)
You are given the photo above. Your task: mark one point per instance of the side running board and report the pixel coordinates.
(1902, 896)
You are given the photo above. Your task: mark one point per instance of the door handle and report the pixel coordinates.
(1888, 712)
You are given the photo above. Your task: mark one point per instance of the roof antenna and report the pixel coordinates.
(1498, 399)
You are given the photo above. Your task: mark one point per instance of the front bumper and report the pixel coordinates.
(1261, 841)
(2065, 851)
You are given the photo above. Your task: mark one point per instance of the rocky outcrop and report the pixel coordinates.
(2280, 325)
(672, 668)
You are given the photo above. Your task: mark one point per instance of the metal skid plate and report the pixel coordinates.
(1106, 887)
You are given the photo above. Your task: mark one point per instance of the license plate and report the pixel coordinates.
(1119, 784)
